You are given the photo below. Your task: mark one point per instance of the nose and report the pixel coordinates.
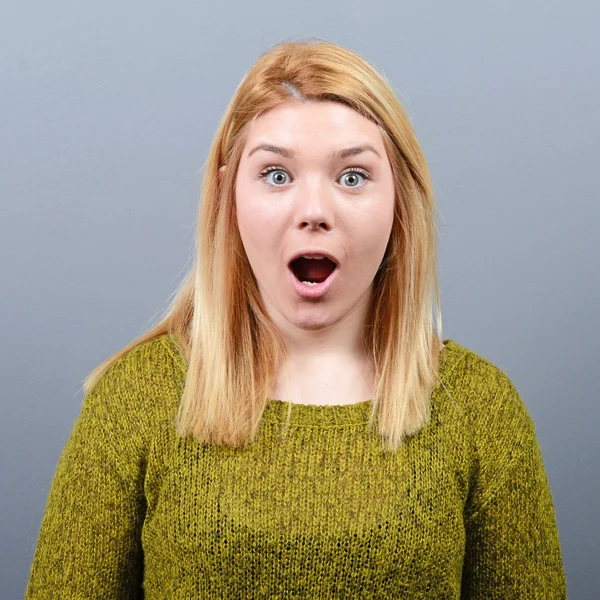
(315, 207)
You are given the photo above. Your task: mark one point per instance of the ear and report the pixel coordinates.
(221, 171)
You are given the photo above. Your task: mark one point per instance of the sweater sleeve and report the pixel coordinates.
(512, 543)
(89, 541)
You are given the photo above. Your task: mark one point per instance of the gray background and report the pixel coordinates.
(107, 112)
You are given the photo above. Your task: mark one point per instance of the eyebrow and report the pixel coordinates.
(336, 154)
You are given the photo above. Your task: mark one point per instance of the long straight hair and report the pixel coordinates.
(231, 347)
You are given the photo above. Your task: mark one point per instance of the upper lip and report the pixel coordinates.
(314, 252)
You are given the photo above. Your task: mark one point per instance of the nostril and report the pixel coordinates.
(316, 226)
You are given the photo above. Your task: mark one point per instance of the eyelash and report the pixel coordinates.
(263, 175)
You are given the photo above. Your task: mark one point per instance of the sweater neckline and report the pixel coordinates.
(317, 415)
(340, 415)
(337, 415)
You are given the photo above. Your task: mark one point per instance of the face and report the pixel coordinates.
(306, 198)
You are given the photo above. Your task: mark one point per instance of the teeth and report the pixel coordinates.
(315, 256)
(310, 282)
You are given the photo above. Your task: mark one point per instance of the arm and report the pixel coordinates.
(512, 545)
(89, 541)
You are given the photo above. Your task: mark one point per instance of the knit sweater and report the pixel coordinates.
(462, 510)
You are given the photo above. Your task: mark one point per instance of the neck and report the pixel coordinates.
(339, 342)
(330, 362)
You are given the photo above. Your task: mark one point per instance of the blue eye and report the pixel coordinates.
(354, 171)
(279, 170)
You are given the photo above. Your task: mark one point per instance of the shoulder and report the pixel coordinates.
(497, 420)
(483, 389)
(142, 385)
(487, 393)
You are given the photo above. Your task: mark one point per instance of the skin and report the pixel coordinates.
(317, 203)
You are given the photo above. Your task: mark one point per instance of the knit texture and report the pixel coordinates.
(463, 510)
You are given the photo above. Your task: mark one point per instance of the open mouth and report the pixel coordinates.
(312, 271)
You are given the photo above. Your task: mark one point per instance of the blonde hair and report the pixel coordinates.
(232, 348)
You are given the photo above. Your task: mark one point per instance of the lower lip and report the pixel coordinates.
(312, 291)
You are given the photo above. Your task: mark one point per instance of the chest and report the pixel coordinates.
(318, 509)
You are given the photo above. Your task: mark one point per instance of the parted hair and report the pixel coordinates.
(231, 347)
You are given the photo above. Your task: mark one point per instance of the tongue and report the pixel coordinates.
(313, 269)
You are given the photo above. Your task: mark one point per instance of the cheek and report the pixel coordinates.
(246, 223)
(259, 237)
(372, 236)
(249, 222)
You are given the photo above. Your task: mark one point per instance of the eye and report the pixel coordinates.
(354, 171)
(280, 174)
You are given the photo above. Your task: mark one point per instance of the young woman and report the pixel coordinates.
(294, 427)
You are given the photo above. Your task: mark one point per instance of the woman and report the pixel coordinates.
(294, 427)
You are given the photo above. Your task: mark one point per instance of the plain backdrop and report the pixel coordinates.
(107, 112)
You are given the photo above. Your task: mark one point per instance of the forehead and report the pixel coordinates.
(328, 124)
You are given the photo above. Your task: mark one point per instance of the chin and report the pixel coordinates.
(312, 318)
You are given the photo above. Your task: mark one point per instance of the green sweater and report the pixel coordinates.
(463, 510)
